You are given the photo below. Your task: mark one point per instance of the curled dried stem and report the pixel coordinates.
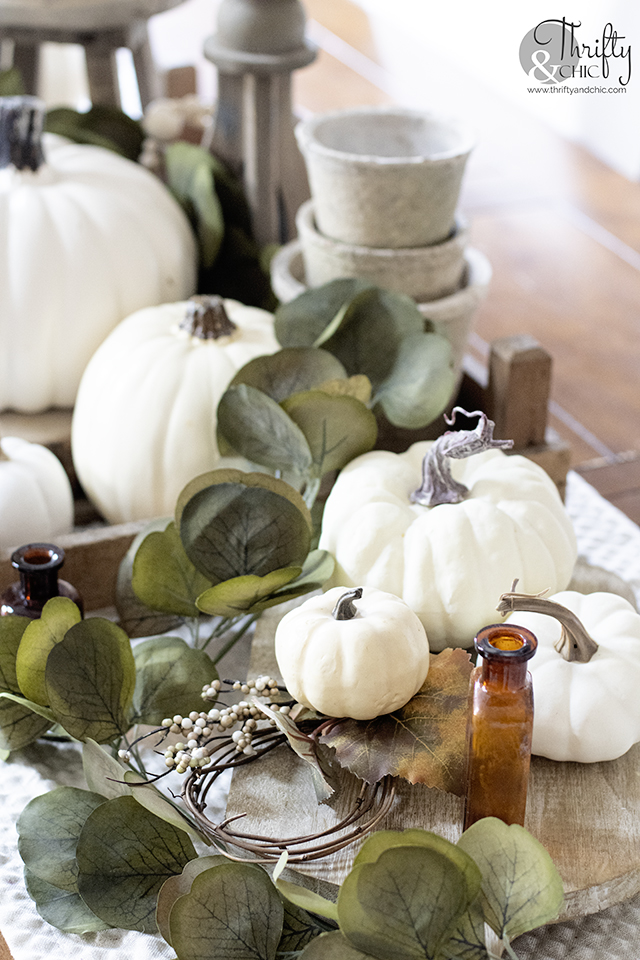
(575, 645)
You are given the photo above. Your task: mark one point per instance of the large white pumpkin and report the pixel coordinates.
(85, 239)
(145, 419)
(452, 561)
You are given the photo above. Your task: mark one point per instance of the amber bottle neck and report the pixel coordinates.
(503, 676)
(504, 650)
(38, 565)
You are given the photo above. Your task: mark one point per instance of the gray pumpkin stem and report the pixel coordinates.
(344, 608)
(575, 645)
(21, 126)
(438, 486)
(207, 319)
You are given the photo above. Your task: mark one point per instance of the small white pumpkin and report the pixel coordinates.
(496, 518)
(36, 501)
(86, 238)
(144, 423)
(352, 653)
(586, 673)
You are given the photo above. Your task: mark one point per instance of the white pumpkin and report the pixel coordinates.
(584, 711)
(451, 560)
(86, 239)
(36, 501)
(144, 423)
(352, 653)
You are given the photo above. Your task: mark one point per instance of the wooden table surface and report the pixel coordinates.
(561, 229)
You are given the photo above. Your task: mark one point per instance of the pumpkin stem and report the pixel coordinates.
(575, 645)
(21, 125)
(344, 608)
(438, 486)
(207, 319)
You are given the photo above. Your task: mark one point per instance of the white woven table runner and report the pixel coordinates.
(606, 538)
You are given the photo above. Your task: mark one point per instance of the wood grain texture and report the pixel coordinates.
(586, 815)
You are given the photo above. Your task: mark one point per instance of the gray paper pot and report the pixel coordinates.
(424, 273)
(384, 177)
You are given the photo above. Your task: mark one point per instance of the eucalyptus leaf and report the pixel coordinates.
(337, 428)
(357, 386)
(257, 428)
(106, 775)
(230, 475)
(467, 941)
(421, 383)
(135, 617)
(235, 529)
(102, 125)
(90, 678)
(169, 678)
(374, 325)
(64, 909)
(58, 615)
(307, 900)
(316, 570)
(521, 888)
(190, 177)
(177, 886)
(103, 773)
(302, 321)
(149, 797)
(232, 911)
(30, 705)
(163, 577)
(298, 929)
(290, 370)
(332, 946)
(405, 904)
(248, 594)
(124, 855)
(48, 831)
(19, 725)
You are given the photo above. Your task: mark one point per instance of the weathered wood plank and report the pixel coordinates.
(92, 558)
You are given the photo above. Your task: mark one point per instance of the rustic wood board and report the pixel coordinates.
(586, 815)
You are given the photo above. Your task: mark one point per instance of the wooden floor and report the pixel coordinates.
(562, 232)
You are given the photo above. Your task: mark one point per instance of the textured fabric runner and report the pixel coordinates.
(606, 538)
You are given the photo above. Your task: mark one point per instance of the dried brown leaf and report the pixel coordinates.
(424, 742)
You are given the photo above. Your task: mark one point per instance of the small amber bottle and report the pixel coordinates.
(500, 725)
(38, 565)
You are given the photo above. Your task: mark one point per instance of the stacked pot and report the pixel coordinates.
(385, 184)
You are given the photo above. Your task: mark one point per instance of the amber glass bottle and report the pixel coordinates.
(500, 725)
(38, 565)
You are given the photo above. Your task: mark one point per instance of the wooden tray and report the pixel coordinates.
(586, 815)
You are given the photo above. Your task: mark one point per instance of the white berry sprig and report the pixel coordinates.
(201, 730)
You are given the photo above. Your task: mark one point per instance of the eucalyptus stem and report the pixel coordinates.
(311, 490)
(234, 639)
(509, 948)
